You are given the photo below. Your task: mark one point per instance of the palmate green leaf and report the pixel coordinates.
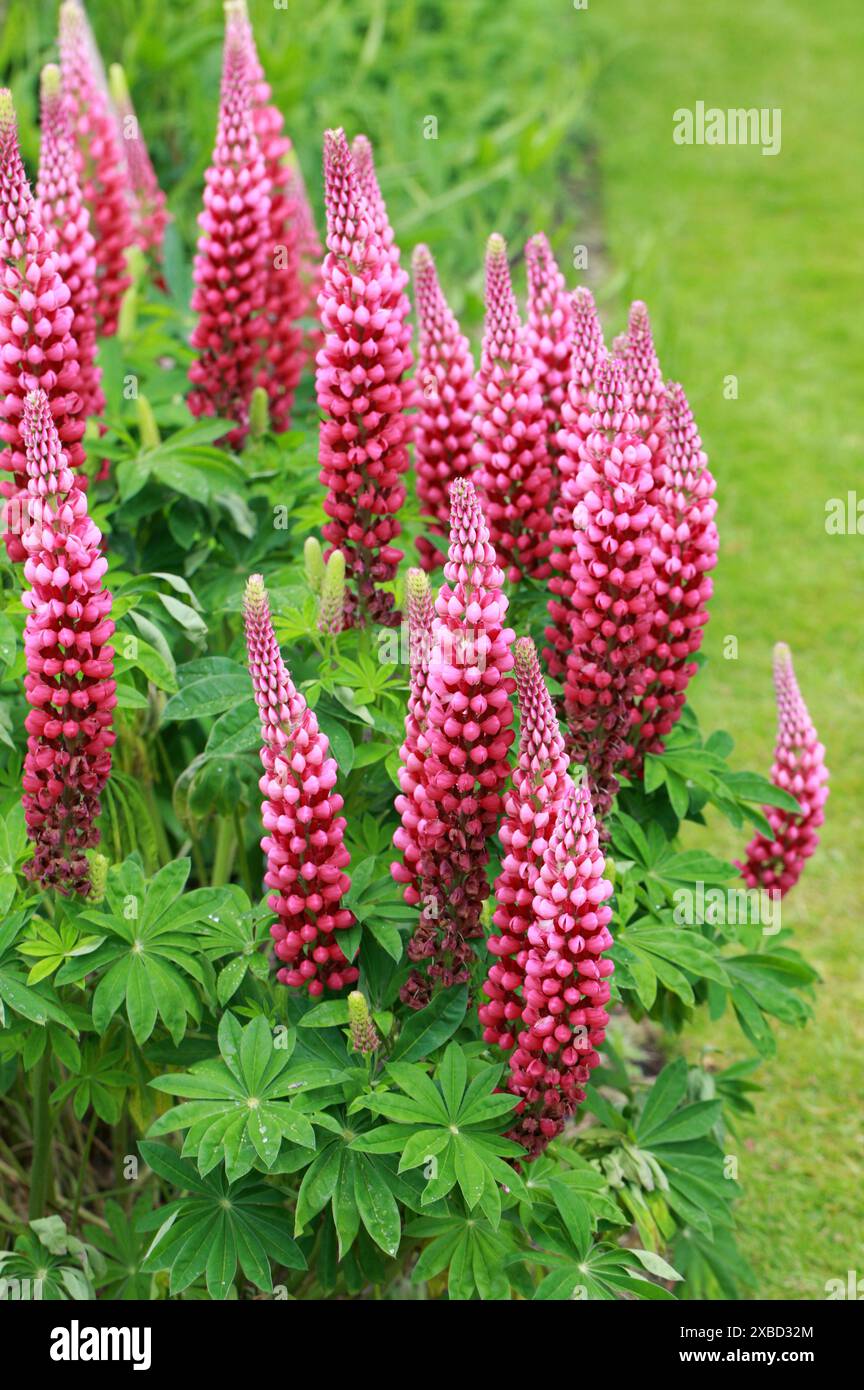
(217, 1226)
(441, 1124)
(376, 1204)
(476, 1254)
(428, 1028)
(237, 1113)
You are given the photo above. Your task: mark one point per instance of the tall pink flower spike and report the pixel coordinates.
(359, 380)
(684, 552)
(549, 335)
(367, 179)
(645, 382)
(540, 785)
(613, 597)
(305, 839)
(70, 665)
(587, 350)
(421, 618)
(285, 298)
(444, 436)
(230, 267)
(150, 215)
(799, 768)
(566, 987)
(463, 751)
(37, 346)
(102, 167)
(513, 470)
(66, 221)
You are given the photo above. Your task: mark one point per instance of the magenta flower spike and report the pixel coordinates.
(37, 346)
(540, 785)
(444, 439)
(102, 170)
(285, 296)
(587, 350)
(61, 209)
(359, 380)
(305, 839)
(613, 597)
(70, 664)
(464, 750)
(513, 471)
(230, 267)
(549, 334)
(367, 179)
(776, 863)
(684, 552)
(421, 619)
(645, 380)
(150, 215)
(566, 987)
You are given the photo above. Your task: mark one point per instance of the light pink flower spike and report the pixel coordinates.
(102, 170)
(66, 220)
(463, 748)
(444, 440)
(613, 597)
(531, 806)
(549, 334)
(305, 839)
(70, 665)
(587, 350)
(285, 296)
(799, 768)
(359, 380)
(150, 216)
(566, 987)
(421, 617)
(230, 268)
(37, 346)
(684, 552)
(513, 470)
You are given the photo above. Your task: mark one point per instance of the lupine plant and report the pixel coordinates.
(349, 890)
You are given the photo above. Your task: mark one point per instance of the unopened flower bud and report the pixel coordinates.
(364, 1035)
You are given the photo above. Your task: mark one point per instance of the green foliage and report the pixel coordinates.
(306, 1169)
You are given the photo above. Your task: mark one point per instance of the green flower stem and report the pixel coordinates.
(223, 862)
(41, 1167)
(245, 869)
(82, 1169)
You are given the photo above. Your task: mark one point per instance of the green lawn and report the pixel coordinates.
(750, 268)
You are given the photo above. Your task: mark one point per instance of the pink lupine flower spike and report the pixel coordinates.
(799, 768)
(305, 839)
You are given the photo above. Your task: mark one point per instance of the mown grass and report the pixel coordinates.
(748, 265)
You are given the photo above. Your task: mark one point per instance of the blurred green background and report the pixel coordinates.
(555, 116)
